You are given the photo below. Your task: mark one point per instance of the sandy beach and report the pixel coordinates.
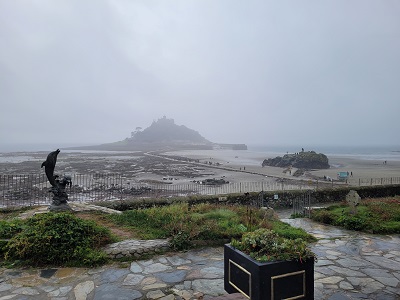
(249, 161)
(231, 165)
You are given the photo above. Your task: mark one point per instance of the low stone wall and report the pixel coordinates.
(136, 248)
(285, 198)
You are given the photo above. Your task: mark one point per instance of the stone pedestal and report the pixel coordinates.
(60, 207)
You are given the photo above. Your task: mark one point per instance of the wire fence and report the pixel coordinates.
(28, 190)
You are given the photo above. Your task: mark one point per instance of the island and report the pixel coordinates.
(163, 135)
(302, 160)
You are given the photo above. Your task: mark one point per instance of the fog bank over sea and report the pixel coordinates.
(4, 148)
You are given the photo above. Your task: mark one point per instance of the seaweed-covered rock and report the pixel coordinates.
(303, 160)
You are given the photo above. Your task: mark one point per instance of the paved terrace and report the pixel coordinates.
(350, 266)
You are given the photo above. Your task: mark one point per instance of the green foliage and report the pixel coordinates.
(372, 215)
(7, 230)
(352, 222)
(296, 215)
(10, 228)
(58, 239)
(388, 227)
(387, 209)
(155, 222)
(289, 232)
(323, 216)
(185, 224)
(180, 241)
(266, 245)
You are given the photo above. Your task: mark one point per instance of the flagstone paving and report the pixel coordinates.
(353, 265)
(350, 265)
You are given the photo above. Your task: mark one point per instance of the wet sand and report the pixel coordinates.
(252, 162)
(231, 165)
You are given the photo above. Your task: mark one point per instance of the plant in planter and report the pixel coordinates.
(263, 265)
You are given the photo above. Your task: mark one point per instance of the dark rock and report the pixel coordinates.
(214, 181)
(47, 273)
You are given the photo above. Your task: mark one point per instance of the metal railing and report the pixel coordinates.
(33, 189)
(374, 181)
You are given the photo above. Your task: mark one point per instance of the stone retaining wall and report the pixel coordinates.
(136, 248)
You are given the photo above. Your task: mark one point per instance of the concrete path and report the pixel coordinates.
(350, 266)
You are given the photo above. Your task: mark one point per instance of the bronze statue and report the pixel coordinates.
(49, 165)
(58, 185)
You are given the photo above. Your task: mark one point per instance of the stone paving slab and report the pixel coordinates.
(353, 265)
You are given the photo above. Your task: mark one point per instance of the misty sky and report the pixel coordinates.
(255, 72)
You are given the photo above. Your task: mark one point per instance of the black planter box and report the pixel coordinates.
(267, 281)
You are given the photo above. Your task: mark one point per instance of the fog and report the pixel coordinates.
(257, 72)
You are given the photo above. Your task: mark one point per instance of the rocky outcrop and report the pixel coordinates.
(214, 181)
(302, 160)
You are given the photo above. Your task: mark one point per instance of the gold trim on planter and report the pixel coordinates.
(287, 275)
(232, 284)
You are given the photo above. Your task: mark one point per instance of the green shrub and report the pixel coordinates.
(59, 239)
(323, 216)
(352, 222)
(380, 215)
(181, 241)
(386, 209)
(10, 228)
(266, 245)
(387, 227)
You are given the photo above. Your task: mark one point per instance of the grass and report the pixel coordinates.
(289, 232)
(204, 222)
(381, 215)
